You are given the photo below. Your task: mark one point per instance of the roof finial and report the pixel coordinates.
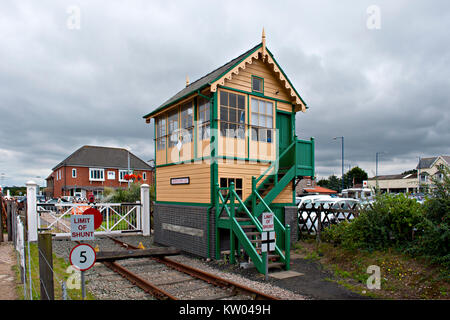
(187, 80)
(263, 43)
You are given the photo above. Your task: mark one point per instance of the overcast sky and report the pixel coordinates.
(375, 72)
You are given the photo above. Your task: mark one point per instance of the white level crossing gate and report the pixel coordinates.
(117, 217)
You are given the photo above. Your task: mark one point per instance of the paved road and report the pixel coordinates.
(312, 282)
(7, 275)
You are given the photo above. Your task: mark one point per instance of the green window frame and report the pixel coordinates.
(173, 127)
(225, 182)
(257, 84)
(161, 132)
(203, 118)
(262, 120)
(187, 122)
(232, 115)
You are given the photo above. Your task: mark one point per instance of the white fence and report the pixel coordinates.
(117, 217)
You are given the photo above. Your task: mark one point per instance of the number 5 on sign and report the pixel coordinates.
(82, 257)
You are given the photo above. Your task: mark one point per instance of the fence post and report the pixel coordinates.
(46, 266)
(145, 213)
(319, 223)
(32, 217)
(1, 218)
(12, 207)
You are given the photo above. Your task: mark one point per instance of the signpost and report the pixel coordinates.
(82, 257)
(267, 238)
(82, 227)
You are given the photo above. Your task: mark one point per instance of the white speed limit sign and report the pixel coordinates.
(82, 257)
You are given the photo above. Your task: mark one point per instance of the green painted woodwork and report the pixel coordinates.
(262, 85)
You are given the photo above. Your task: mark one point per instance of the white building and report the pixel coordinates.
(412, 182)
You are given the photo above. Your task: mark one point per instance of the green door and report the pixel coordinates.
(284, 127)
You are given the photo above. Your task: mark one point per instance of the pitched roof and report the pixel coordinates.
(104, 157)
(396, 176)
(211, 77)
(319, 189)
(425, 163)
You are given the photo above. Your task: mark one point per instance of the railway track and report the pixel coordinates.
(167, 279)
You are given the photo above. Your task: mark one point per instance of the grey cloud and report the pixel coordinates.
(383, 90)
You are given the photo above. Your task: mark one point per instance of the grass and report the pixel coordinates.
(402, 276)
(61, 274)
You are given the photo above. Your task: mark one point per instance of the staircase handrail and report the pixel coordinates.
(276, 161)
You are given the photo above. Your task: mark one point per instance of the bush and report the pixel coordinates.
(126, 195)
(399, 222)
(434, 238)
(390, 221)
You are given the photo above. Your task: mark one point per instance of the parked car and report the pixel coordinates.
(56, 200)
(345, 203)
(309, 200)
(327, 202)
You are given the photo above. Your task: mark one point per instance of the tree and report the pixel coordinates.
(332, 183)
(355, 176)
(410, 171)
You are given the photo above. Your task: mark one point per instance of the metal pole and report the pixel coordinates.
(128, 167)
(376, 168)
(64, 290)
(342, 163)
(342, 158)
(83, 286)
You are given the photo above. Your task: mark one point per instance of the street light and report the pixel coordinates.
(342, 143)
(376, 170)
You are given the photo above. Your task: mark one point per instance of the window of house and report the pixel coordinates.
(257, 84)
(226, 182)
(144, 176)
(187, 122)
(96, 174)
(161, 133)
(262, 120)
(423, 178)
(173, 127)
(203, 118)
(111, 175)
(232, 115)
(122, 174)
(74, 173)
(98, 194)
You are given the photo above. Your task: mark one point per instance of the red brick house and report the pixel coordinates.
(91, 168)
(309, 186)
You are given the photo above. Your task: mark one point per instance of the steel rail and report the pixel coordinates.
(205, 276)
(140, 282)
(148, 287)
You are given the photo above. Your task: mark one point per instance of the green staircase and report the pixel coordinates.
(241, 217)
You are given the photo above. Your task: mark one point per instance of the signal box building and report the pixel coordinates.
(226, 152)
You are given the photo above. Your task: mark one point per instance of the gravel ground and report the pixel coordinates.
(106, 285)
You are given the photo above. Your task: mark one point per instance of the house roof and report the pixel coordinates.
(104, 157)
(211, 77)
(318, 189)
(396, 176)
(425, 163)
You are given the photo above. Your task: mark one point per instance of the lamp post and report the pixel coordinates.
(376, 168)
(342, 153)
(128, 155)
